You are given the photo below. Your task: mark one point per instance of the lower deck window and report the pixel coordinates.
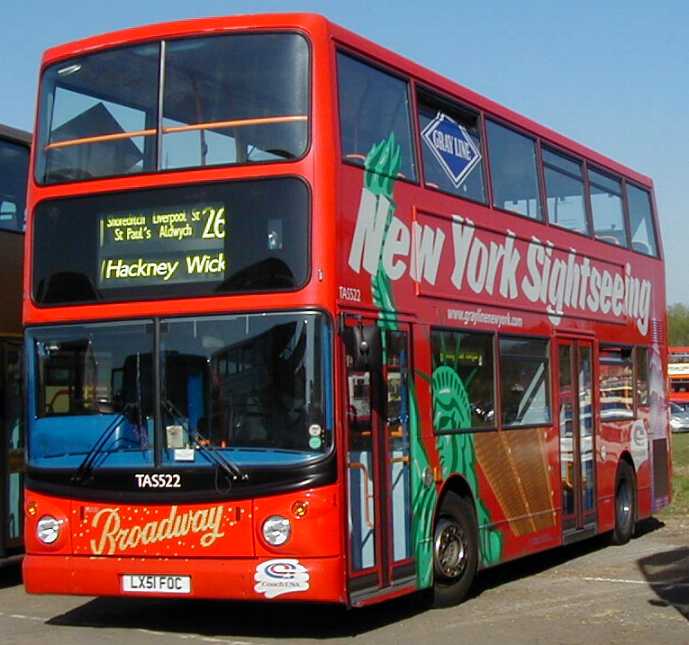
(616, 383)
(463, 382)
(524, 377)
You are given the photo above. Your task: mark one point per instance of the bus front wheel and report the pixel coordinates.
(455, 550)
(625, 504)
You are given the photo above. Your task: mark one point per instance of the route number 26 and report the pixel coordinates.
(215, 223)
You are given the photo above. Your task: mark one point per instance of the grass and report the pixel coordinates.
(680, 476)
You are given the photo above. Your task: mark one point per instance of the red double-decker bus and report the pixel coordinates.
(306, 321)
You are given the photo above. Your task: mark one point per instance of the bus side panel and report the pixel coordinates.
(609, 452)
(425, 458)
(615, 439)
(520, 488)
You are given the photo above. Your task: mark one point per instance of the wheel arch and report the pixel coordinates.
(626, 456)
(458, 485)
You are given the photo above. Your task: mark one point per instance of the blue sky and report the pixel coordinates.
(612, 75)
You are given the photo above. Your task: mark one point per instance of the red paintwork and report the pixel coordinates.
(321, 538)
(231, 579)
(89, 557)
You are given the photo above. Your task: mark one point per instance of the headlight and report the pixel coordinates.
(276, 530)
(675, 423)
(48, 529)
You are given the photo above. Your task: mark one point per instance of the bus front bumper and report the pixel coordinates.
(277, 579)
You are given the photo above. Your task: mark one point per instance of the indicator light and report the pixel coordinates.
(300, 508)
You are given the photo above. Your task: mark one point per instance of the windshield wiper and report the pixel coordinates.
(86, 466)
(210, 452)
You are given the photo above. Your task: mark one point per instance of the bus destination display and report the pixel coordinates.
(168, 245)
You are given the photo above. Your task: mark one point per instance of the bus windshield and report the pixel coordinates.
(250, 383)
(217, 100)
(254, 385)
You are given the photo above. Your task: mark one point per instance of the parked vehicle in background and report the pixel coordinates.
(14, 165)
(306, 321)
(679, 418)
(678, 373)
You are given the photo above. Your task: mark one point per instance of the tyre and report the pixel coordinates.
(625, 504)
(455, 550)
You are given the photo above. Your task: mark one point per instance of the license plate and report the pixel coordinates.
(136, 583)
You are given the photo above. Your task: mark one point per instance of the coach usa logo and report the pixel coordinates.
(276, 577)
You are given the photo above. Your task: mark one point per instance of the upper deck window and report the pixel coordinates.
(14, 167)
(98, 115)
(565, 190)
(373, 107)
(513, 170)
(234, 99)
(606, 208)
(641, 220)
(451, 147)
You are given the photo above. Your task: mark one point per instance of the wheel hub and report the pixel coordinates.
(450, 550)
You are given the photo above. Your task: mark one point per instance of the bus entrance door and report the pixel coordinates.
(376, 364)
(577, 438)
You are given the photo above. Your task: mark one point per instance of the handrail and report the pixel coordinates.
(356, 465)
(236, 123)
(100, 138)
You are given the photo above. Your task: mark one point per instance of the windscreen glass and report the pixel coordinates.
(90, 381)
(257, 388)
(234, 99)
(98, 115)
(172, 242)
(251, 384)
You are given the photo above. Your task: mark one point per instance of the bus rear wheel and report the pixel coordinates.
(455, 550)
(625, 504)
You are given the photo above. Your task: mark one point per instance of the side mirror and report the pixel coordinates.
(367, 348)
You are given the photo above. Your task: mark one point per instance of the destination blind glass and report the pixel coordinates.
(172, 245)
(233, 237)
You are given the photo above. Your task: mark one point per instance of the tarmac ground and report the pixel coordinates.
(587, 592)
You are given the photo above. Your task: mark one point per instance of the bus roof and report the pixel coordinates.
(13, 134)
(317, 23)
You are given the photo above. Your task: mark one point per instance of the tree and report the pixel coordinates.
(678, 324)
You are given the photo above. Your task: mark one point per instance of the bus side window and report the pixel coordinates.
(641, 221)
(606, 208)
(564, 186)
(513, 171)
(616, 383)
(524, 379)
(373, 106)
(463, 381)
(456, 168)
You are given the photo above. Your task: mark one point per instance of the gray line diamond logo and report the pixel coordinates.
(452, 146)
